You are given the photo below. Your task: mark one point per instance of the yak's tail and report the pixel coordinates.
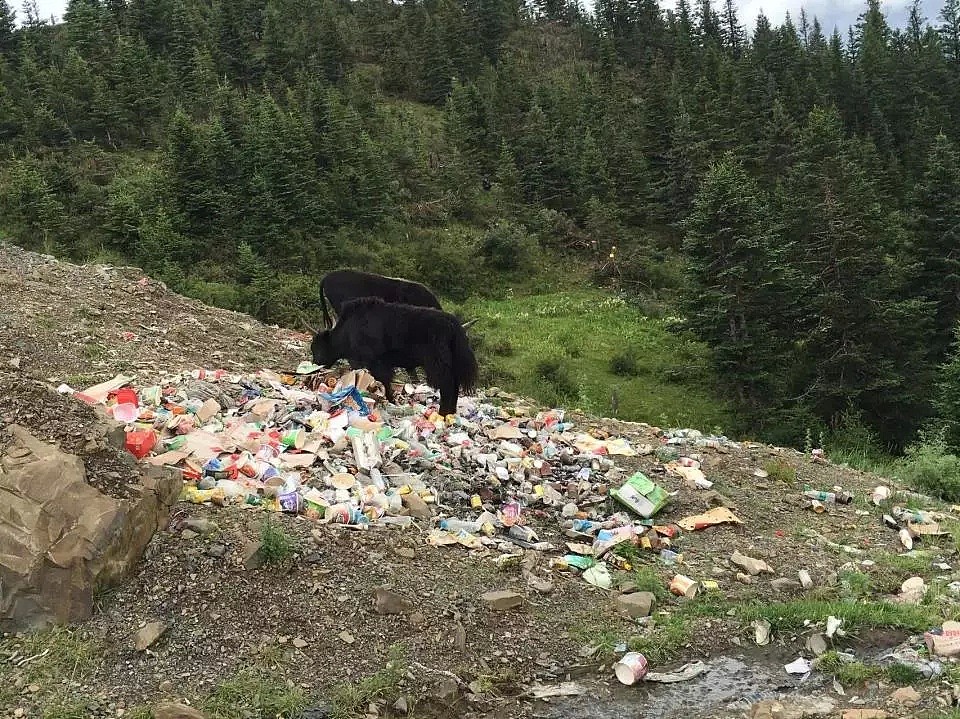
(323, 303)
(464, 361)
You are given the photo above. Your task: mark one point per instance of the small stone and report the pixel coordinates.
(817, 643)
(346, 637)
(175, 711)
(216, 550)
(912, 591)
(417, 619)
(636, 605)
(252, 555)
(33, 688)
(416, 507)
(784, 584)
(628, 587)
(166, 686)
(387, 602)
(148, 635)
(541, 586)
(317, 536)
(18, 712)
(201, 525)
(400, 706)
(906, 696)
(15, 363)
(750, 565)
(405, 552)
(806, 581)
(865, 714)
(300, 643)
(447, 692)
(744, 578)
(189, 534)
(503, 600)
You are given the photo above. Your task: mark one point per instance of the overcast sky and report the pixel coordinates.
(832, 13)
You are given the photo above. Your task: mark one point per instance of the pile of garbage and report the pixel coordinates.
(316, 443)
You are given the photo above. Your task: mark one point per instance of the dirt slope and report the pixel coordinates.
(310, 621)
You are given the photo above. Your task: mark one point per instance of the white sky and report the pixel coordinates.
(840, 13)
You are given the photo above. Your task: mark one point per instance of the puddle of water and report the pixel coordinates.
(728, 687)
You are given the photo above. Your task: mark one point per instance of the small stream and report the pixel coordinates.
(728, 687)
(731, 684)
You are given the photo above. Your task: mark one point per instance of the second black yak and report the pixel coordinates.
(341, 286)
(379, 336)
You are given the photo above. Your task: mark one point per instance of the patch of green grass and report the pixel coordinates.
(276, 545)
(665, 642)
(848, 673)
(254, 692)
(94, 351)
(863, 614)
(67, 653)
(780, 471)
(65, 709)
(348, 699)
(904, 675)
(647, 580)
(673, 383)
(855, 585)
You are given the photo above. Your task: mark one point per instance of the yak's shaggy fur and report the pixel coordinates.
(379, 336)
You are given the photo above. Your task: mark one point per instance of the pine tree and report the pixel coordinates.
(734, 37)
(8, 38)
(468, 126)
(860, 332)
(936, 241)
(731, 250)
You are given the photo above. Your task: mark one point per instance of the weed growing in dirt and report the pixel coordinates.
(348, 699)
(904, 675)
(276, 545)
(254, 692)
(647, 580)
(666, 642)
(855, 585)
(65, 709)
(790, 616)
(846, 672)
(780, 471)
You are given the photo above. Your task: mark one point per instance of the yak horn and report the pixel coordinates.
(306, 324)
(466, 325)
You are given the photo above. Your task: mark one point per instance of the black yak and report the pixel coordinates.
(341, 286)
(344, 285)
(380, 336)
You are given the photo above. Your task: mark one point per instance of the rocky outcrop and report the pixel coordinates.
(60, 538)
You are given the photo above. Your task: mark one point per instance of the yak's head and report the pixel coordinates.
(322, 349)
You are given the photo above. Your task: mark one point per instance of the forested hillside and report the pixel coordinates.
(792, 191)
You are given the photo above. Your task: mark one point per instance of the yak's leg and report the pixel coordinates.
(448, 398)
(384, 375)
(440, 376)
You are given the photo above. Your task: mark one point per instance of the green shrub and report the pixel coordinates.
(507, 248)
(276, 545)
(557, 378)
(929, 467)
(624, 363)
(780, 471)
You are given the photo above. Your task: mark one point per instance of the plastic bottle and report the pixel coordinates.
(457, 525)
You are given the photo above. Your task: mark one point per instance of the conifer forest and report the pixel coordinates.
(791, 192)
